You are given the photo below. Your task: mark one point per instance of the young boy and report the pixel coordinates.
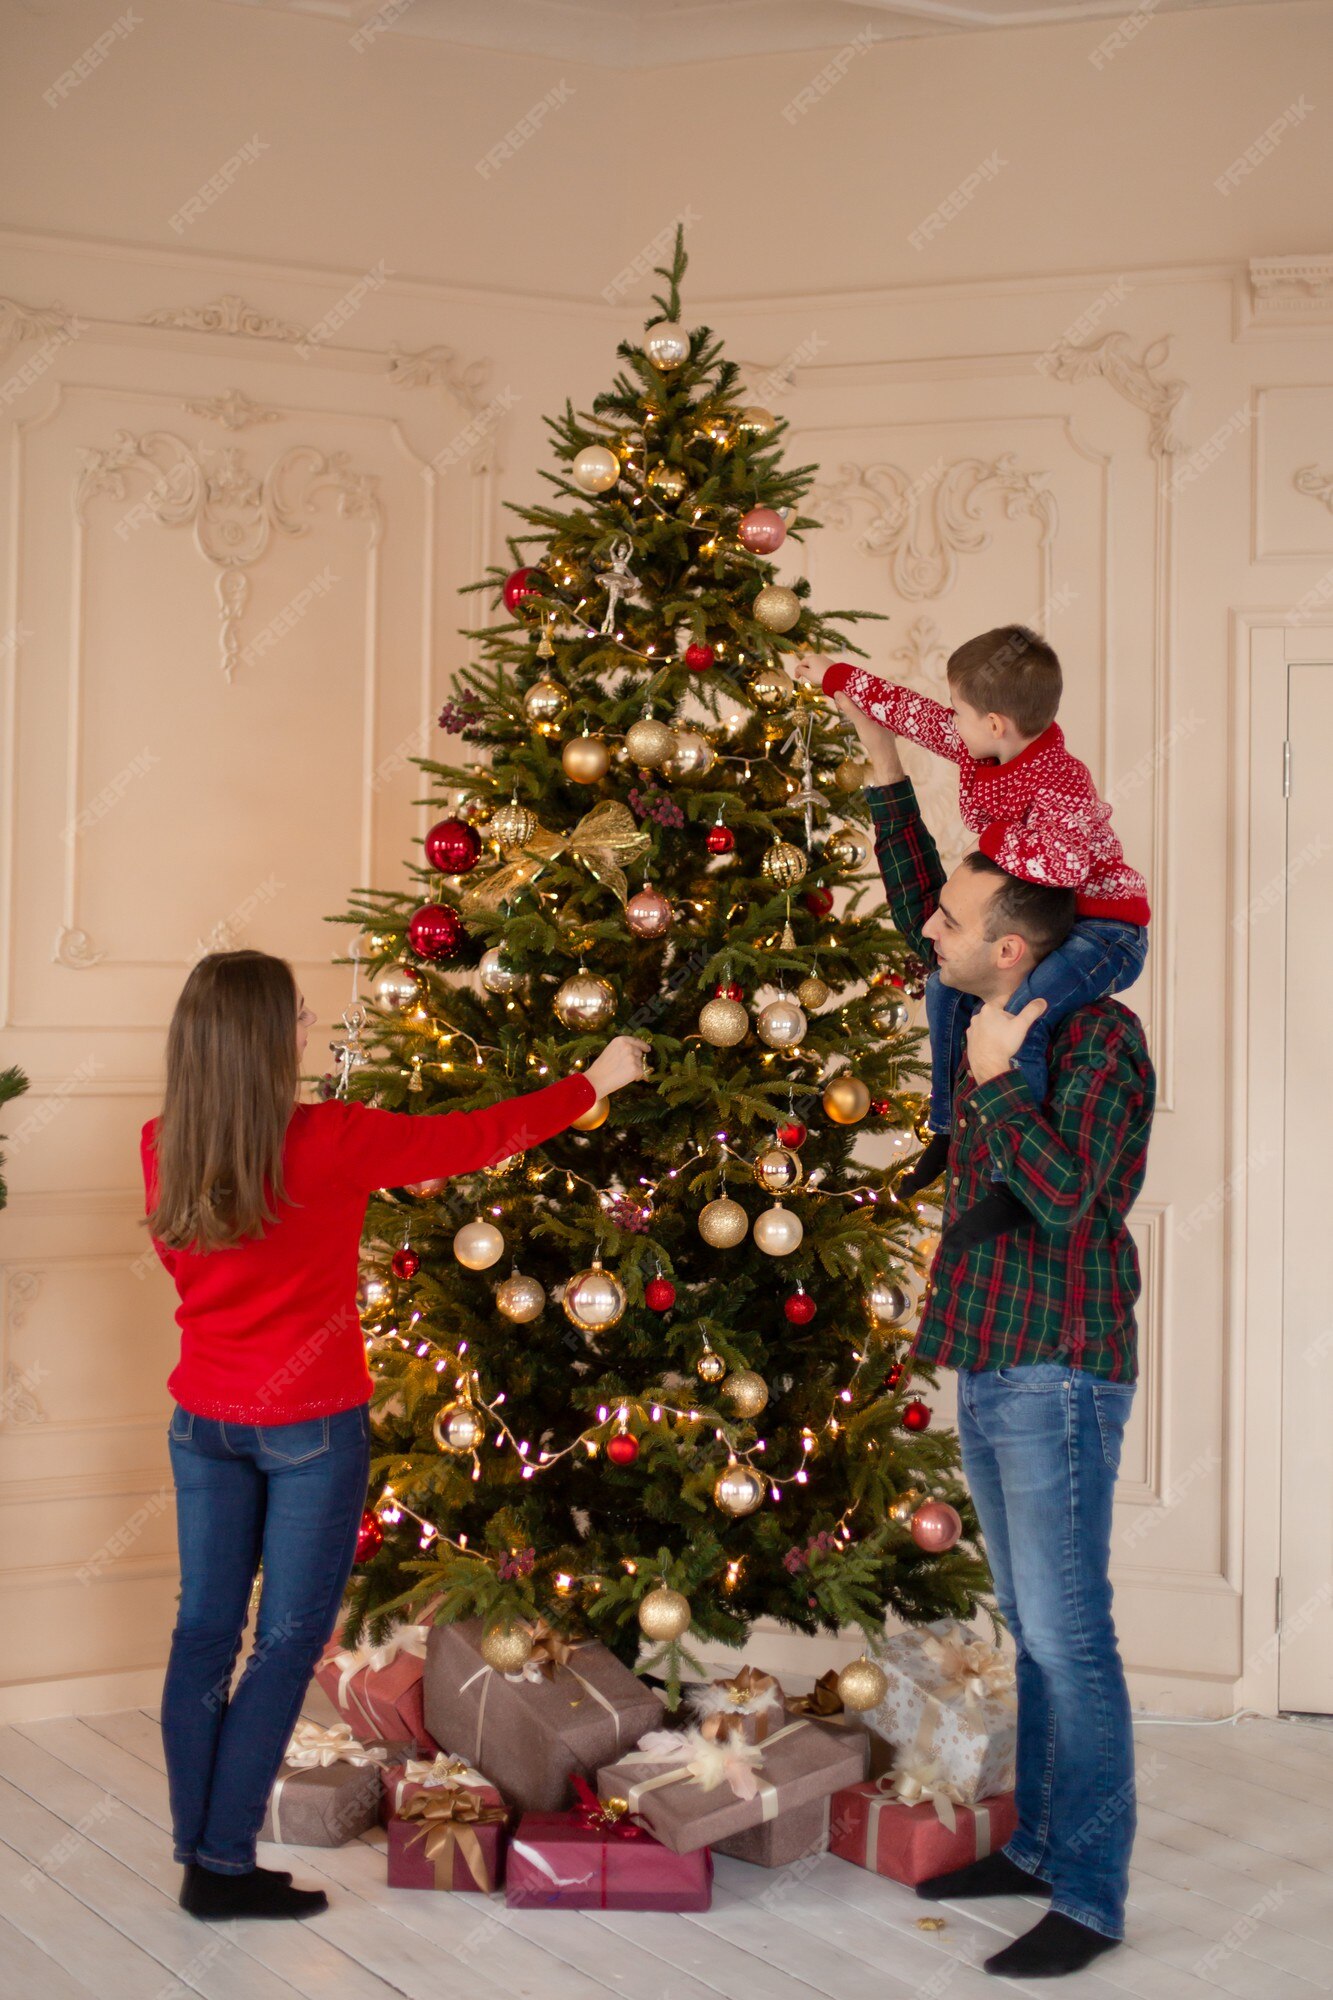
(1037, 815)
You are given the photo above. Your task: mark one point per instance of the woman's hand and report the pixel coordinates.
(619, 1063)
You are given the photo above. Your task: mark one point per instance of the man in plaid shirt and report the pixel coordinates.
(1037, 1316)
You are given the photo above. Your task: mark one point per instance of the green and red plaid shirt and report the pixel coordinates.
(1064, 1291)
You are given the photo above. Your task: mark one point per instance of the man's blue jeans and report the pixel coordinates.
(1041, 1449)
(291, 1495)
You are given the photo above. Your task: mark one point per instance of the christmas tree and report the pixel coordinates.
(652, 1373)
(13, 1083)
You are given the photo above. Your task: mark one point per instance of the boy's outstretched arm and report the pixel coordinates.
(907, 713)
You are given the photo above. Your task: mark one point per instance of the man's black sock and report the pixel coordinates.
(1058, 1944)
(928, 1165)
(993, 1875)
(207, 1893)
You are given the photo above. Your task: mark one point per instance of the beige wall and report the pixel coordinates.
(1089, 403)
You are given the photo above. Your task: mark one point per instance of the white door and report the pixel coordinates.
(1305, 1645)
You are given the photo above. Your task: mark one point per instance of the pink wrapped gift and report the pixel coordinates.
(446, 1837)
(377, 1689)
(597, 1859)
(878, 1829)
(406, 1776)
(748, 1706)
(692, 1791)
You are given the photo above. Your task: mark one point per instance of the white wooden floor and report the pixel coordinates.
(1232, 1893)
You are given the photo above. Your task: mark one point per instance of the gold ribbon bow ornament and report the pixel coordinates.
(723, 1706)
(448, 1817)
(607, 841)
(823, 1701)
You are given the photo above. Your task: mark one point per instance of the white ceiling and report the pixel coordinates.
(650, 34)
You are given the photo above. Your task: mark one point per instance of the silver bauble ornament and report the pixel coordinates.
(902, 1509)
(771, 690)
(478, 1245)
(723, 1223)
(459, 1427)
(512, 824)
(710, 1367)
(650, 743)
(777, 608)
(596, 469)
(784, 865)
(755, 419)
(395, 989)
(691, 756)
(781, 1023)
(845, 850)
(777, 1232)
(648, 913)
(723, 1023)
(664, 1615)
(889, 1014)
(887, 1303)
(862, 1685)
(545, 701)
(520, 1299)
(778, 1170)
(812, 993)
(497, 975)
(594, 1299)
(666, 344)
(584, 1001)
(738, 1490)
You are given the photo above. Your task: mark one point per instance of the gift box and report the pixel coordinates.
(404, 1776)
(799, 1831)
(747, 1707)
(824, 1704)
(571, 1709)
(327, 1791)
(694, 1792)
(593, 1858)
(377, 1690)
(874, 1826)
(447, 1837)
(952, 1705)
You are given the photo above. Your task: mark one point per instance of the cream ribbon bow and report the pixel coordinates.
(313, 1745)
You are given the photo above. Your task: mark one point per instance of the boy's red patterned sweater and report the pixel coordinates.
(1038, 816)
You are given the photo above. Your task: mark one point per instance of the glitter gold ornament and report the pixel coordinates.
(584, 1001)
(890, 1014)
(845, 850)
(545, 701)
(459, 1427)
(508, 1652)
(520, 1299)
(478, 1245)
(497, 975)
(648, 913)
(723, 1223)
(595, 1115)
(812, 993)
(778, 1170)
(862, 1685)
(777, 1232)
(668, 482)
(784, 865)
(594, 1299)
(723, 1023)
(395, 989)
(851, 774)
(746, 1392)
(596, 469)
(777, 608)
(512, 825)
(692, 755)
(770, 690)
(738, 1490)
(649, 743)
(710, 1367)
(846, 1099)
(887, 1303)
(585, 759)
(781, 1024)
(666, 344)
(664, 1615)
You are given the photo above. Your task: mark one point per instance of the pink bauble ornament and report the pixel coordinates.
(648, 914)
(452, 846)
(936, 1526)
(436, 932)
(762, 531)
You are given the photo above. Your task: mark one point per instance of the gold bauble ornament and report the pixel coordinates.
(770, 690)
(723, 1023)
(887, 1303)
(545, 701)
(851, 774)
(812, 993)
(372, 1292)
(927, 1248)
(902, 1509)
(846, 1099)
(746, 1392)
(845, 850)
(476, 812)
(512, 824)
(777, 608)
(459, 1427)
(649, 743)
(778, 1170)
(664, 1615)
(668, 481)
(594, 1299)
(722, 1223)
(507, 1652)
(862, 1685)
(738, 1490)
(497, 975)
(596, 469)
(784, 865)
(777, 1232)
(890, 1014)
(595, 1115)
(585, 759)
(692, 755)
(710, 1367)
(478, 1245)
(520, 1299)
(666, 344)
(648, 913)
(584, 1001)
(755, 419)
(395, 989)
(781, 1024)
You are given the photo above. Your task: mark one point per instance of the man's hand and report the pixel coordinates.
(993, 1036)
(879, 746)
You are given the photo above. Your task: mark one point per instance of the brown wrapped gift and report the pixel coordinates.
(748, 1706)
(572, 1708)
(824, 1704)
(793, 1834)
(693, 1793)
(322, 1805)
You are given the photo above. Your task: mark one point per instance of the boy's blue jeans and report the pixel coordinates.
(1041, 1450)
(291, 1495)
(1099, 956)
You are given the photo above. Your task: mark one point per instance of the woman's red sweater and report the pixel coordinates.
(270, 1331)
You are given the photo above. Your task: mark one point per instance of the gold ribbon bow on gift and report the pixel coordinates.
(722, 1704)
(607, 841)
(914, 1783)
(971, 1668)
(312, 1745)
(550, 1649)
(823, 1700)
(449, 1817)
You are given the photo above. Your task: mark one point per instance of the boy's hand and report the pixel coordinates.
(805, 669)
(994, 1035)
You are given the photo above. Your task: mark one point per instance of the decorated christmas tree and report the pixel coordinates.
(652, 1373)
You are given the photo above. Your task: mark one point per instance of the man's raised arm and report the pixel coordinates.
(908, 859)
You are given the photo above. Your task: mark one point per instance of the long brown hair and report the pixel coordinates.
(232, 1077)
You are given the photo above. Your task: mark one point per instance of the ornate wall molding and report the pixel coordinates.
(441, 367)
(233, 410)
(1133, 377)
(20, 322)
(1318, 484)
(1291, 291)
(228, 314)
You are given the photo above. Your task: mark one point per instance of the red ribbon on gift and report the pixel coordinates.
(609, 1817)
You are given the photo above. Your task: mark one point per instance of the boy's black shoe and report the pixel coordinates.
(928, 1165)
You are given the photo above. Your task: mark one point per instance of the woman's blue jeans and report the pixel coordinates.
(291, 1496)
(1041, 1449)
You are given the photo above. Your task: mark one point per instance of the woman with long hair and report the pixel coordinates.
(255, 1204)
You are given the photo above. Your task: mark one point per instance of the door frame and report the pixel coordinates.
(1265, 643)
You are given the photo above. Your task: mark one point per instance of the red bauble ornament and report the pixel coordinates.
(799, 1308)
(792, 1135)
(936, 1526)
(518, 587)
(436, 932)
(728, 989)
(659, 1295)
(895, 1375)
(622, 1449)
(452, 846)
(819, 901)
(720, 840)
(699, 657)
(369, 1536)
(405, 1263)
(916, 1415)
(881, 1106)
